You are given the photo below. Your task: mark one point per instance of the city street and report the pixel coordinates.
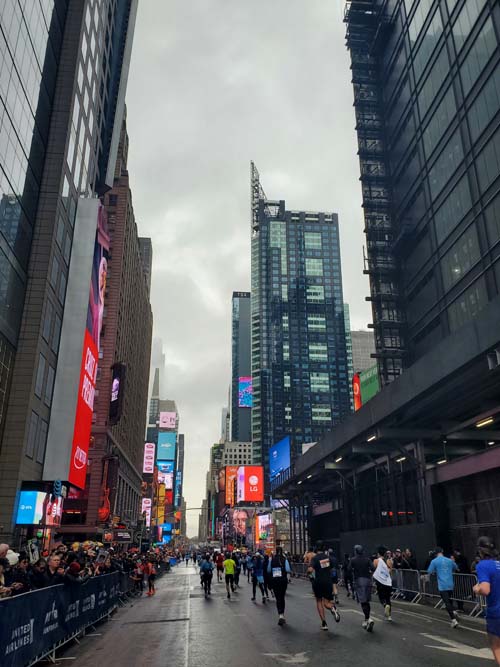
(179, 627)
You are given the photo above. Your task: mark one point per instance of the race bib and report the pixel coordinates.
(277, 572)
(325, 562)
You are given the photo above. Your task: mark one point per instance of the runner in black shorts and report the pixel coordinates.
(322, 584)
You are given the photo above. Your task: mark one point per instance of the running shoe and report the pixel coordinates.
(369, 625)
(335, 614)
(387, 611)
(253, 599)
(364, 625)
(281, 620)
(229, 596)
(324, 626)
(454, 623)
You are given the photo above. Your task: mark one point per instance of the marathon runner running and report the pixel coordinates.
(229, 569)
(444, 568)
(258, 576)
(383, 580)
(279, 569)
(488, 576)
(219, 561)
(206, 570)
(362, 568)
(322, 585)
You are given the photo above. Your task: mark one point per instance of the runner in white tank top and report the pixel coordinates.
(383, 581)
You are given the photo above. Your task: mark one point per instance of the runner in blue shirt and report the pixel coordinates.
(488, 576)
(444, 568)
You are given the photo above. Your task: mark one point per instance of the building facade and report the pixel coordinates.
(363, 346)
(348, 345)
(237, 454)
(64, 72)
(241, 368)
(116, 454)
(146, 248)
(299, 356)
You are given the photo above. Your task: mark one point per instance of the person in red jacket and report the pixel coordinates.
(150, 572)
(219, 560)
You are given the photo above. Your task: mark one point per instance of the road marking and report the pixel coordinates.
(289, 658)
(431, 619)
(456, 647)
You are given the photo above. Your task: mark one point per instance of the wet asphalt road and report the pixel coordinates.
(179, 628)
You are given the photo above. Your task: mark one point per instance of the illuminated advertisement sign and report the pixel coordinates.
(279, 457)
(250, 487)
(146, 509)
(168, 419)
(166, 473)
(231, 477)
(88, 369)
(148, 464)
(240, 521)
(178, 485)
(356, 391)
(263, 527)
(166, 446)
(37, 508)
(365, 386)
(117, 390)
(245, 394)
(166, 466)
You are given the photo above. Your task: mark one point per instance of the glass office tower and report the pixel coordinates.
(299, 356)
(241, 369)
(426, 76)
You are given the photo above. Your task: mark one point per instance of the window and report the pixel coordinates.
(47, 321)
(315, 294)
(318, 352)
(56, 334)
(284, 292)
(460, 258)
(49, 386)
(468, 304)
(466, 20)
(60, 231)
(316, 323)
(440, 121)
(428, 44)
(486, 106)
(446, 164)
(30, 443)
(320, 382)
(478, 57)
(286, 351)
(434, 82)
(314, 267)
(312, 240)
(67, 248)
(62, 287)
(492, 215)
(41, 441)
(488, 162)
(284, 322)
(40, 375)
(54, 274)
(286, 380)
(453, 209)
(321, 413)
(113, 200)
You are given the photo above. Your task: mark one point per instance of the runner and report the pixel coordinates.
(219, 560)
(335, 576)
(187, 559)
(347, 574)
(150, 572)
(383, 580)
(258, 576)
(237, 569)
(229, 568)
(206, 572)
(362, 568)
(249, 564)
(322, 584)
(488, 576)
(268, 580)
(279, 568)
(444, 568)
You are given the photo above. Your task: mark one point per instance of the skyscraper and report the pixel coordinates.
(348, 344)
(146, 249)
(64, 69)
(426, 79)
(299, 357)
(241, 369)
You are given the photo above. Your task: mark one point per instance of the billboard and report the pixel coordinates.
(240, 521)
(91, 344)
(168, 419)
(263, 524)
(178, 486)
(245, 393)
(250, 487)
(117, 390)
(365, 385)
(166, 466)
(148, 463)
(166, 445)
(231, 477)
(38, 508)
(356, 391)
(146, 509)
(279, 457)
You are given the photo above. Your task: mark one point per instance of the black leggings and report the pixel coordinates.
(384, 593)
(365, 606)
(279, 587)
(254, 587)
(151, 582)
(446, 597)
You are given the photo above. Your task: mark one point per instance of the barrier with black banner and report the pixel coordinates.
(33, 624)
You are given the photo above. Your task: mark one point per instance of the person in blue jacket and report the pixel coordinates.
(444, 568)
(488, 576)
(258, 575)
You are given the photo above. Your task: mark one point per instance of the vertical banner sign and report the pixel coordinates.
(356, 390)
(148, 464)
(91, 342)
(146, 509)
(231, 477)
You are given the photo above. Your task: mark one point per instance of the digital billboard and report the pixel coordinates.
(148, 464)
(166, 445)
(250, 486)
(168, 419)
(263, 527)
(231, 477)
(146, 509)
(365, 385)
(245, 393)
(91, 343)
(279, 457)
(240, 521)
(178, 486)
(117, 391)
(166, 466)
(356, 391)
(38, 508)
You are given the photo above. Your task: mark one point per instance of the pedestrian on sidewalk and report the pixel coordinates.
(321, 566)
(383, 580)
(488, 576)
(444, 568)
(150, 572)
(278, 569)
(362, 569)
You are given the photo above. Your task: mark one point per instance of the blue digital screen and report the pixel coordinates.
(279, 457)
(166, 466)
(245, 392)
(30, 508)
(178, 482)
(166, 445)
(166, 527)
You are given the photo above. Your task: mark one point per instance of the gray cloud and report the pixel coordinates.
(212, 86)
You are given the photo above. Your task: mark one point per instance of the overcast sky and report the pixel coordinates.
(214, 84)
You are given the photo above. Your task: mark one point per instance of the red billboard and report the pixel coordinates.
(231, 477)
(91, 343)
(356, 390)
(83, 416)
(250, 484)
